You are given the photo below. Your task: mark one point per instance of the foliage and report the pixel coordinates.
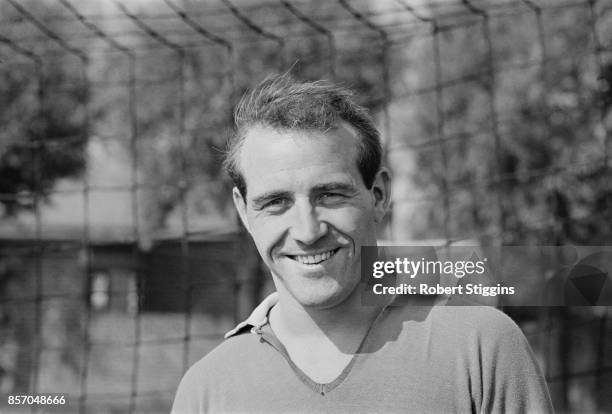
(43, 134)
(184, 119)
(547, 173)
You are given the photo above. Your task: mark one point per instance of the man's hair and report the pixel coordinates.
(280, 102)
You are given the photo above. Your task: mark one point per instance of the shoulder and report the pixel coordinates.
(235, 351)
(467, 328)
(214, 372)
(485, 321)
(491, 341)
(455, 328)
(498, 357)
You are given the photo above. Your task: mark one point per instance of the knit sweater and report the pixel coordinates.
(415, 359)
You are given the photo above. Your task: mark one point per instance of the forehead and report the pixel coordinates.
(270, 154)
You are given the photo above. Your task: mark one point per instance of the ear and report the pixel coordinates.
(240, 204)
(381, 190)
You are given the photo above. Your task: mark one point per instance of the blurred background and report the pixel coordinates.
(121, 258)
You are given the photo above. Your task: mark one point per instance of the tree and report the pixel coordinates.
(44, 132)
(547, 170)
(183, 129)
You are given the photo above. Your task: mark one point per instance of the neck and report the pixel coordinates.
(346, 320)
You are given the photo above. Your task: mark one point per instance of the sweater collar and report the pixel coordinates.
(257, 318)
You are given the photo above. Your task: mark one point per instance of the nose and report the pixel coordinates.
(306, 226)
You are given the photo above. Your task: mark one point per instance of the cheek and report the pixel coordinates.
(353, 222)
(266, 232)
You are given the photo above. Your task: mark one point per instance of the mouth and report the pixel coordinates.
(314, 259)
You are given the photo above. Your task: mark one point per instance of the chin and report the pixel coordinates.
(322, 298)
(318, 302)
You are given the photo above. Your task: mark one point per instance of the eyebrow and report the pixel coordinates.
(334, 186)
(262, 199)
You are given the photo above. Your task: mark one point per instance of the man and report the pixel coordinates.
(310, 189)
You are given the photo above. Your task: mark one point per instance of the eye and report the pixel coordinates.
(331, 197)
(276, 204)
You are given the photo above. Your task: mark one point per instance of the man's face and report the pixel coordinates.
(308, 210)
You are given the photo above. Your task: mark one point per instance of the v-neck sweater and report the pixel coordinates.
(414, 359)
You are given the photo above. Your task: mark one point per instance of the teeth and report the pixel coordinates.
(314, 259)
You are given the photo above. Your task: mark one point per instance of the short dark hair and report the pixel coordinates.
(281, 102)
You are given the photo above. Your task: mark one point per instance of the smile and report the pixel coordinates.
(313, 259)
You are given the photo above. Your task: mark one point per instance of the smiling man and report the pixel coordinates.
(310, 211)
(310, 188)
